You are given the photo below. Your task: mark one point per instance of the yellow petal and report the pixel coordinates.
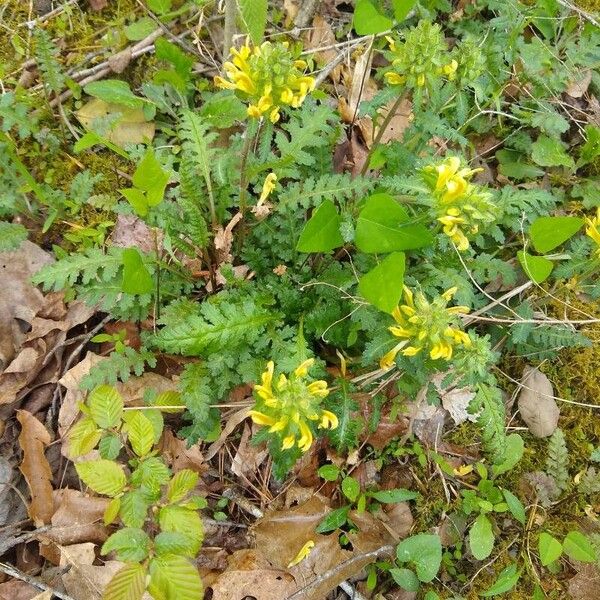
(268, 187)
(267, 376)
(449, 294)
(223, 83)
(261, 419)
(274, 116)
(394, 78)
(328, 420)
(306, 439)
(318, 388)
(411, 350)
(304, 552)
(288, 442)
(302, 369)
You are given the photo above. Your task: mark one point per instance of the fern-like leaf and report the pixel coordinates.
(12, 236)
(489, 407)
(557, 461)
(46, 56)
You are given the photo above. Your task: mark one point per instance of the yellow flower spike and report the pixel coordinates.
(267, 376)
(592, 230)
(274, 116)
(304, 552)
(450, 68)
(391, 43)
(288, 442)
(411, 351)
(302, 369)
(394, 79)
(408, 296)
(261, 419)
(306, 439)
(328, 420)
(449, 294)
(268, 187)
(318, 388)
(253, 111)
(388, 360)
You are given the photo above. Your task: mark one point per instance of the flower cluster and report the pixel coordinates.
(268, 77)
(290, 406)
(592, 230)
(421, 59)
(460, 206)
(426, 326)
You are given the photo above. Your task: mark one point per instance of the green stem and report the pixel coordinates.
(250, 133)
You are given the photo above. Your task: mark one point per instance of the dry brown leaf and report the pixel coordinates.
(131, 232)
(456, 400)
(536, 403)
(248, 456)
(578, 87)
(33, 440)
(17, 590)
(396, 126)
(250, 575)
(232, 422)
(47, 595)
(399, 518)
(131, 127)
(98, 4)
(179, 456)
(224, 239)
(77, 554)
(585, 585)
(321, 35)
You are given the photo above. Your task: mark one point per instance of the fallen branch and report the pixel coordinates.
(9, 570)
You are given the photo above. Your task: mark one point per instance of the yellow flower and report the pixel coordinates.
(592, 230)
(268, 187)
(268, 76)
(460, 205)
(289, 404)
(426, 326)
(304, 552)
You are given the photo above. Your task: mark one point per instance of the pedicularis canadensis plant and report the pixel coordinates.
(160, 531)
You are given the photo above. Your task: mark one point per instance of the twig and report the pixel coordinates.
(231, 10)
(305, 15)
(330, 66)
(53, 13)
(387, 549)
(351, 591)
(10, 570)
(579, 11)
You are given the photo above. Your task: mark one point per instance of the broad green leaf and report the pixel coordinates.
(151, 178)
(133, 509)
(158, 422)
(112, 511)
(538, 593)
(128, 584)
(514, 452)
(151, 473)
(172, 542)
(165, 50)
(424, 551)
(368, 20)
(83, 437)
(382, 285)
(384, 226)
(106, 406)
(170, 398)
(406, 579)
(514, 506)
(184, 521)
(110, 446)
(549, 548)
(402, 8)
(549, 232)
(507, 579)
(591, 149)
(550, 152)
(103, 476)
(537, 268)
(333, 520)
(160, 6)
(174, 578)
(322, 232)
(350, 488)
(181, 484)
(392, 496)
(114, 91)
(577, 547)
(195, 503)
(129, 544)
(329, 472)
(140, 433)
(481, 538)
(136, 277)
(254, 17)
(137, 199)
(139, 29)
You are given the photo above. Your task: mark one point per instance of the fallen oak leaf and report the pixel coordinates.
(33, 439)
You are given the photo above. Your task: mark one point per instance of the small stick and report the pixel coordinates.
(13, 572)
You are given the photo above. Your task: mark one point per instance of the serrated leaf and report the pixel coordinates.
(549, 548)
(83, 437)
(329, 472)
(109, 447)
(181, 484)
(103, 476)
(140, 433)
(112, 510)
(550, 152)
(133, 509)
(548, 233)
(184, 521)
(151, 473)
(385, 226)
(254, 18)
(393, 496)
(577, 547)
(382, 285)
(128, 584)
(514, 452)
(106, 406)
(424, 551)
(129, 544)
(170, 398)
(322, 232)
(172, 542)
(174, 578)
(481, 538)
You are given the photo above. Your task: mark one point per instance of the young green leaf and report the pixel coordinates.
(83, 437)
(329, 472)
(368, 20)
(110, 446)
(549, 232)
(130, 545)
(382, 285)
(577, 547)
(384, 226)
(128, 584)
(549, 152)
(106, 406)
(151, 178)
(481, 538)
(549, 548)
(333, 520)
(514, 506)
(402, 8)
(114, 91)
(507, 579)
(136, 277)
(350, 488)
(140, 433)
(186, 522)
(112, 510)
(514, 452)
(181, 484)
(172, 542)
(424, 551)
(160, 6)
(133, 509)
(406, 579)
(392, 496)
(322, 232)
(103, 476)
(254, 17)
(537, 268)
(174, 578)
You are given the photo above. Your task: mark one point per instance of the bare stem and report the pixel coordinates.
(231, 10)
